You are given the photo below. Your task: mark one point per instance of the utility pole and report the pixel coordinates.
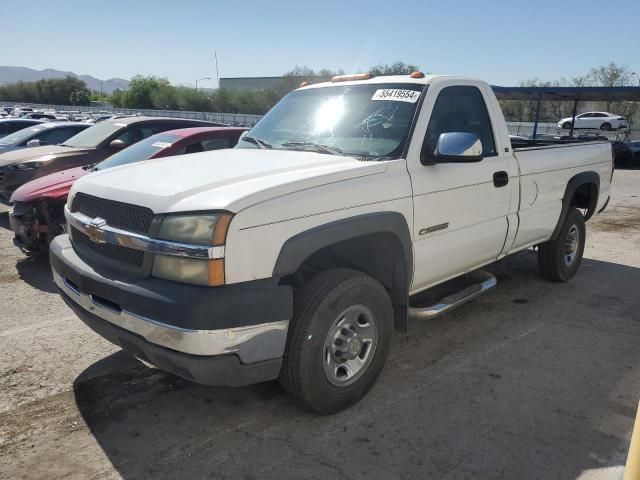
(215, 55)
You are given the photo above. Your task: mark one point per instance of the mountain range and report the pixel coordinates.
(23, 74)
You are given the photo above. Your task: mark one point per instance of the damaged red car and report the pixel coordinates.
(37, 207)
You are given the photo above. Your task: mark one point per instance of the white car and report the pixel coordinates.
(596, 120)
(295, 254)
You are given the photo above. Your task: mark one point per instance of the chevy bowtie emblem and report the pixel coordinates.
(94, 230)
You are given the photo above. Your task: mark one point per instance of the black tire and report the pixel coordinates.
(605, 126)
(566, 125)
(553, 256)
(317, 309)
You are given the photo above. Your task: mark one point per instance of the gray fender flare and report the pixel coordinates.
(574, 183)
(301, 246)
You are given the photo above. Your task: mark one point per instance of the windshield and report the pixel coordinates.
(20, 135)
(142, 150)
(94, 136)
(358, 120)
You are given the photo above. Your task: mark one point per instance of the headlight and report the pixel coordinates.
(197, 230)
(28, 165)
(35, 163)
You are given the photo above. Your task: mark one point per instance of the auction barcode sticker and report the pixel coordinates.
(396, 95)
(161, 144)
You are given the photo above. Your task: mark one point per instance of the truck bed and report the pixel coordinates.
(522, 144)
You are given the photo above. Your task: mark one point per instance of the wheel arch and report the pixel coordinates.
(378, 244)
(582, 191)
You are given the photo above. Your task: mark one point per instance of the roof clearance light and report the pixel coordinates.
(304, 84)
(417, 74)
(350, 78)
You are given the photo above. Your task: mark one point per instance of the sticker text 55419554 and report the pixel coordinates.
(396, 95)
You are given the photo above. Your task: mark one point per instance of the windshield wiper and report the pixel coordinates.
(318, 147)
(257, 141)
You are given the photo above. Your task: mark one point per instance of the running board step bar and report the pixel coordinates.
(453, 293)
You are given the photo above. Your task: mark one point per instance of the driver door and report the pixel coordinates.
(460, 212)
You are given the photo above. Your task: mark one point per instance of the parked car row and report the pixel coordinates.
(59, 116)
(38, 206)
(39, 163)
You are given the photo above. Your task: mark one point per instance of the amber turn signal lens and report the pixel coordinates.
(220, 232)
(417, 74)
(304, 84)
(216, 272)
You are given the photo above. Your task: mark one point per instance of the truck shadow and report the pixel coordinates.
(35, 271)
(533, 380)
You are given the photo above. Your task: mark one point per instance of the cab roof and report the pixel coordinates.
(375, 80)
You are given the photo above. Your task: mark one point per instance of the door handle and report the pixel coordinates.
(500, 179)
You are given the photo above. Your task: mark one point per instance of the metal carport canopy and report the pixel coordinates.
(595, 94)
(571, 94)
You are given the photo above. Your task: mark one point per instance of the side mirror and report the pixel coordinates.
(33, 143)
(455, 147)
(117, 145)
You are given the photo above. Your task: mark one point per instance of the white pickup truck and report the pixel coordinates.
(297, 253)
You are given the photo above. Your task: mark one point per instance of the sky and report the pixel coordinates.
(500, 41)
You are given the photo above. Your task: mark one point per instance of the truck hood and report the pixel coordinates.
(231, 179)
(55, 186)
(55, 151)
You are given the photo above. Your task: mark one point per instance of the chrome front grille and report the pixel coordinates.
(132, 218)
(113, 252)
(124, 216)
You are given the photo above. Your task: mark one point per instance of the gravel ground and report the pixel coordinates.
(533, 380)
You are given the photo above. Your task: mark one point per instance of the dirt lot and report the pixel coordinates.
(534, 380)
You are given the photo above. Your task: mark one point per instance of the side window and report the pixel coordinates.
(56, 136)
(14, 127)
(216, 143)
(460, 109)
(134, 134)
(585, 115)
(194, 147)
(598, 115)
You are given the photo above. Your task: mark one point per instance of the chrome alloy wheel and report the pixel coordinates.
(350, 345)
(571, 245)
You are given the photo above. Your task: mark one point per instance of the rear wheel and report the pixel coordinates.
(560, 259)
(566, 125)
(338, 340)
(605, 126)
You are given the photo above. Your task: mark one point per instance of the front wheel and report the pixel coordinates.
(566, 125)
(605, 126)
(560, 259)
(338, 340)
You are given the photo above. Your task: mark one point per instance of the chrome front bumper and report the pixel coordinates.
(254, 343)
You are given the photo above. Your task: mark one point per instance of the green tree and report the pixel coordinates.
(395, 68)
(54, 91)
(141, 90)
(165, 97)
(80, 97)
